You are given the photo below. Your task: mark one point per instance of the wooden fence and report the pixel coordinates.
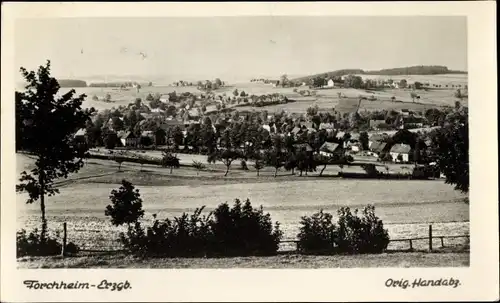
(291, 242)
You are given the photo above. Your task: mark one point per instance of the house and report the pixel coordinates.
(377, 138)
(172, 123)
(402, 150)
(377, 147)
(128, 139)
(165, 98)
(329, 149)
(296, 130)
(81, 135)
(375, 123)
(267, 127)
(330, 83)
(410, 122)
(329, 127)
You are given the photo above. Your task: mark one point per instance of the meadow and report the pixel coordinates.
(406, 206)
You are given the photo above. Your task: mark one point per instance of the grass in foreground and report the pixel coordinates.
(393, 259)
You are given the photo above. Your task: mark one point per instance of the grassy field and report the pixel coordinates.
(326, 99)
(386, 260)
(406, 206)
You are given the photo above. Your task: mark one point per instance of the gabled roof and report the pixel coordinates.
(400, 148)
(296, 130)
(81, 132)
(329, 147)
(378, 146)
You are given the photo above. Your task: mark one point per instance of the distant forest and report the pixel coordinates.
(71, 83)
(410, 70)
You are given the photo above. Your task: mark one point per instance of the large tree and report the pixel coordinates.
(451, 146)
(45, 127)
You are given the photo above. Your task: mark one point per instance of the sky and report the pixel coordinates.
(237, 47)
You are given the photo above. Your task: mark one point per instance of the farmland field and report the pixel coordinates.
(326, 99)
(406, 211)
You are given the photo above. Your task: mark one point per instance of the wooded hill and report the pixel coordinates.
(410, 70)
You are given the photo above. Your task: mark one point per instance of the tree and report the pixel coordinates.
(403, 83)
(273, 158)
(169, 160)
(258, 165)
(126, 205)
(44, 127)
(417, 85)
(363, 139)
(243, 94)
(227, 157)
(119, 160)
(413, 96)
(451, 145)
(290, 162)
(235, 92)
(199, 166)
(284, 80)
(218, 82)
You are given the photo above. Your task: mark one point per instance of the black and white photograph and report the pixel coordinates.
(242, 142)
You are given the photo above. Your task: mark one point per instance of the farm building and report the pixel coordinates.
(165, 98)
(375, 123)
(128, 139)
(329, 127)
(410, 122)
(402, 150)
(378, 147)
(377, 138)
(329, 149)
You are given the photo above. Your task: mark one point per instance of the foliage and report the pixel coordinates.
(238, 231)
(169, 160)
(351, 234)
(126, 205)
(199, 166)
(363, 139)
(45, 125)
(365, 234)
(451, 145)
(316, 233)
(33, 244)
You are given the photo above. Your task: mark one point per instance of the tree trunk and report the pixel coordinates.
(41, 180)
(276, 172)
(119, 166)
(227, 170)
(300, 173)
(293, 171)
(321, 172)
(171, 168)
(257, 173)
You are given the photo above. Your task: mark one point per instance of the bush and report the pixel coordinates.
(237, 231)
(316, 233)
(243, 230)
(243, 165)
(352, 234)
(32, 244)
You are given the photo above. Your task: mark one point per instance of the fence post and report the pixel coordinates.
(442, 242)
(411, 244)
(430, 237)
(63, 250)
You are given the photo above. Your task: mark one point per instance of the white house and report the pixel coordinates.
(329, 149)
(402, 150)
(330, 83)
